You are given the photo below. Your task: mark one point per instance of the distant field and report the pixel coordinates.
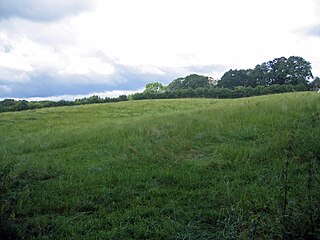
(163, 169)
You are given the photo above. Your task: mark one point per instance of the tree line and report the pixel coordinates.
(276, 76)
(292, 71)
(219, 92)
(10, 105)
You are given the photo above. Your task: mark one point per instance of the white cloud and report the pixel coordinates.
(86, 65)
(214, 32)
(43, 10)
(9, 75)
(148, 69)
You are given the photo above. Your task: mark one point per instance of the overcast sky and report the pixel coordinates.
(75, 48)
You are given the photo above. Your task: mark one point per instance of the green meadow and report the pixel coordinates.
(163, 169)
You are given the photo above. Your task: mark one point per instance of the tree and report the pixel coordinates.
(7, 103)
(299, 71)
(260, 74)
(235, 78)
(277, 71)
(154, 87)
(94, 99)
(21, 105)
(315, 84)
(294, 70)
(122, 98)
(192, 81)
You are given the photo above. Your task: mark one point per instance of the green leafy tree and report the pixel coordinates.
(299, 71)
(281, 71)
(21, 105)
(192, 81)
(278, 72)
(94, 99)
(7, 103)
(260, 74)
(123, 98)
(315, 84)
(154, 87)
(235, 78)
(294, 70)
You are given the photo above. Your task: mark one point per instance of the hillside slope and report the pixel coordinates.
(163, 169)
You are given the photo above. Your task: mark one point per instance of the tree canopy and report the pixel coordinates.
(154, 87)
(315, 84)
(293, 70)
(235, 78)
(192, 81)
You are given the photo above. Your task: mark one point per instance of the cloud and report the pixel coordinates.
(46, 83)
(104, 94)
(210, 69)
(43, 10)
(87, 65)
(317, 8)
(56, 34)
(10, 75)
(5, 89)
(51, 83)
(72, 71)
(313, 31)
(5, 45)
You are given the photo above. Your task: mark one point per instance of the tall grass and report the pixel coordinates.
(165, 169)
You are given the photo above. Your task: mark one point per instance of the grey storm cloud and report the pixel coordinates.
(125, 77)
(22, 84)
(43, 10)
(46, 82)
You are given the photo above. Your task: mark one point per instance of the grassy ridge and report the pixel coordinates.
(163, 169)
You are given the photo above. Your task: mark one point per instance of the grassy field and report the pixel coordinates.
(163, 169)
